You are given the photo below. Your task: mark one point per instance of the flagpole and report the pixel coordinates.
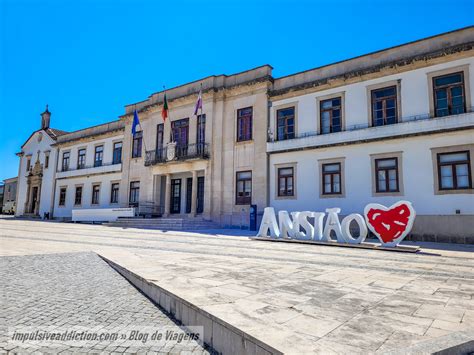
(203, 143)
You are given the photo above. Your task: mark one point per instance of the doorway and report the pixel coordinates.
(34, 199)
(175, 196)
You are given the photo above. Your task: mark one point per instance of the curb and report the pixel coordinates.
(218, 334)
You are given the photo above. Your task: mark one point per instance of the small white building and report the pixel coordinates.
(36, 172)
(61, 171)
(396, 124)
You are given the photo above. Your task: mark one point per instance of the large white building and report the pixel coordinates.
(396, 124)
(391, 125)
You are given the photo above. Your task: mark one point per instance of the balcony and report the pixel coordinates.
(89, 170)
(173, 153)
(416, 125)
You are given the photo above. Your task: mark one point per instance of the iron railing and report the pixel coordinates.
(271, 138)
(147, 209)
(63, 168)
(183, 152)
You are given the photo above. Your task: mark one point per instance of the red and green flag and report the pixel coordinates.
(164, 110)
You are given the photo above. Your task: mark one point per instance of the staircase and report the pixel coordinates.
(176, 224)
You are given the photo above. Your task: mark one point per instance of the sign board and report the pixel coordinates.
(101, 214)
(390, 224)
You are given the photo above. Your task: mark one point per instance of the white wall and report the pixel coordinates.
(90, 145)
(414, 97)
(31, 148)
(418, 178)
(105, 181)
(104, 175)
(417, 161)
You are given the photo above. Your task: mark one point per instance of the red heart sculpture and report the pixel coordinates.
(391, 224)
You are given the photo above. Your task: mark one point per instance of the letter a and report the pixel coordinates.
(269, 222)
(333, 224)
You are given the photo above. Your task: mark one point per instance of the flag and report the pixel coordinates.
(136, 122)
(198, 103)
(164, 111)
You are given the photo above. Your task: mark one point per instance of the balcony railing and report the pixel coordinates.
(405, 128)
(177, 153)
(83, 167)
(271, 138)
(89, 169)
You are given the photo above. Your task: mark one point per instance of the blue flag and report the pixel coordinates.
(136, 122)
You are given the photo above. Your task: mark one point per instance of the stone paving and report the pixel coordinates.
(296, 298)
(78, 292)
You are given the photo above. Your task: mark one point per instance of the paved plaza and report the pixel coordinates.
(77, 292)
(296, 298)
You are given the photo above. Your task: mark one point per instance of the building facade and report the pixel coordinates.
(391, 125)
(9, 195)
(89, 169)
(211, 165)
(396, 124)
(36, 172)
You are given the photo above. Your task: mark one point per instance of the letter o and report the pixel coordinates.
(346, 232)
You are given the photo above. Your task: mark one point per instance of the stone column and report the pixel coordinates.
(167, 195)
(194, 194)
(206, 214)
(27, 203)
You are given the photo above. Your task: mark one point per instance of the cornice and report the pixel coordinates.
(384, 69)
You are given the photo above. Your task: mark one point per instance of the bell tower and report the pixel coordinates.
(45, 118)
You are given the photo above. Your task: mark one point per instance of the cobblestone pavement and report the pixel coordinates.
(297, 298)
(79, 292)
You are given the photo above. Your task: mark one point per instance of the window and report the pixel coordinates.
(117, 154)
(62, 196)
(244, 124)
(454, 171)
(285, 182)
(81, 159)
(243, 188)
(331, 177)
(286, 123)
(386, 172)
(114, 193)
(330, 111)
(99, 155)
(28, 164)
(201, 131)
(78, 196)
(134, 193)
(66, 158)
(160, 130)
(137, 145)
(180, 131)
(384, 106)
(46, 160)
(95, 194)
(449, 94)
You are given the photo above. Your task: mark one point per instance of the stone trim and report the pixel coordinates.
(275, 109)
(467, 89)
(397, 83)
(342, 95)
(295, 191)
(376, 71)
(399, 156)
(449, 149)
(362, 141)
(321, 162)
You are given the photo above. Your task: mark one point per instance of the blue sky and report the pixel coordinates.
(87, 59)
